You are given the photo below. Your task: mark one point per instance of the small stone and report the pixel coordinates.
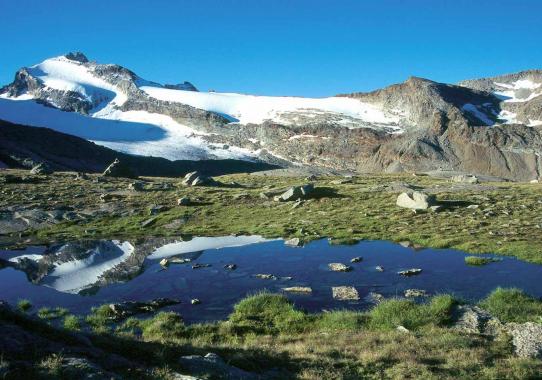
(345, 293)
(298, 289)
(230, 266)
(379, 268)
(195, 301)
(356, 259)
(199, 266)
(339, 267)
(402, 329)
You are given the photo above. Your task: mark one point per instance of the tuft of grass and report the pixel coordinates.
(100, 319)
(477, 260)
(267, 313)
(398, 312)
(339, 320)
(49, 314)
(162, 327)
(52, 365)
(513, 305)
(72, 322)
(24, 305)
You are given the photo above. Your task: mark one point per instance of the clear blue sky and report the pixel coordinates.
(279, 47)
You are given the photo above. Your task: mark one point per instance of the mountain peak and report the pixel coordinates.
(76, 56)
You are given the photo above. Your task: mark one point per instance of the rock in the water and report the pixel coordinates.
(415, 293)
(356, 260)
(375, 298)
(379, 268)
(410, 272)
(119, 169)
(464, 178)
(526, 338)
(214, 366)
(230, 266)
(294, 242)
(416, 200)
(295, 192)
(195, 301)
(127, 309)
(41, 169)
(184, 201)
(199, 266)
(474, 320)
(339, 267)
(265, 276)
(298, 289)
(198, 179)
(174, 260)
(345, 293)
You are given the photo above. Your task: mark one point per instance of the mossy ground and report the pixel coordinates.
(508, 220)
(266, 332)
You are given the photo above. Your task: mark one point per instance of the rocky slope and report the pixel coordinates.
(488, 126)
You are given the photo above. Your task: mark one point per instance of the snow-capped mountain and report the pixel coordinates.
(487, 126)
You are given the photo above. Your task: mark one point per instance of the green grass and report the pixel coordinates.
(478, 261)
(398, 312)
(100, 319)
(24, 305)
(346, 213)
(267, 313)
(72, 322)
(513, 305)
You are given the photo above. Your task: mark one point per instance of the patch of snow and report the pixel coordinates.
(516, 91)
(508, 117)
(73, 276)
(33, 257)
(63, 74)
(205, 243)
(256, 109)
(473, 110)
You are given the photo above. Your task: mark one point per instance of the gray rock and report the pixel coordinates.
(339, 267)
(295, 192)
(474, 320)
(265, 276)
(230, 266)
(195, 301)
(136, 186)
(148, 222)
(198, 179)
(374, 298)
(416, 200)
(464, 178)
(526, 338)
(345, 293)
(294, 242)
(379, 268)
(298, 289)
(356, 259)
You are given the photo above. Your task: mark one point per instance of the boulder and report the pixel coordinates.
(379, 268)
(339, 267)
(195, 301)
(41, 169)
(474, 320)
(136, 186)
(416, 200)
(464, 178)
(294, 242)
(295, 192)
(119, 169)
(345, 293)
(356, 260)
(526, 338)
(198, 179)
(265, 276)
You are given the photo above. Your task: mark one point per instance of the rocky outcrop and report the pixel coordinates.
(526, 338)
